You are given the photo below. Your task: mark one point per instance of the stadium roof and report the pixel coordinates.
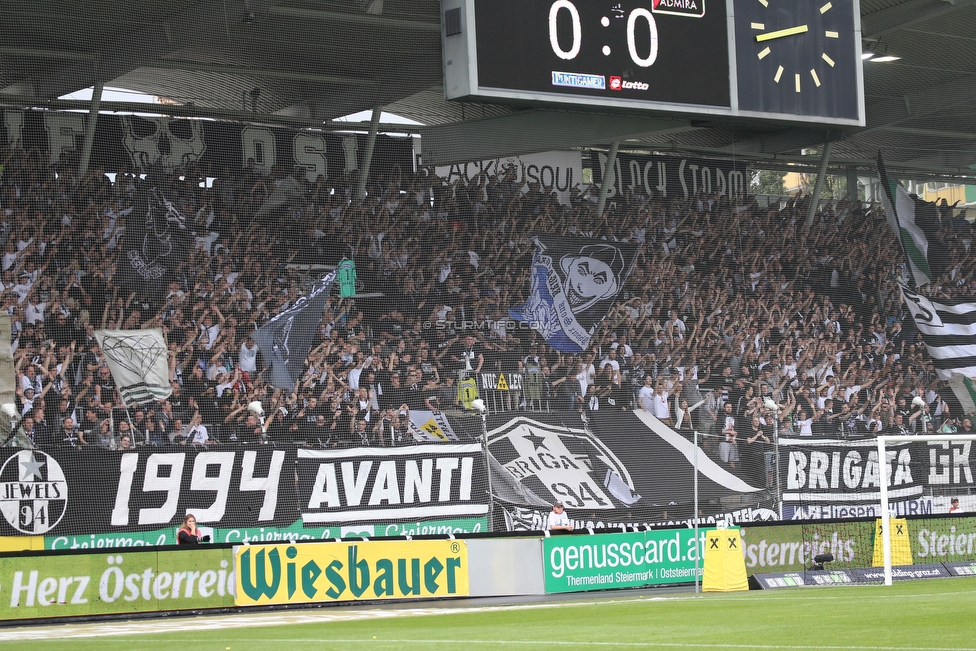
(307, 62)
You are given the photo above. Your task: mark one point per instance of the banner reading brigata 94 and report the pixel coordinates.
(575, 282)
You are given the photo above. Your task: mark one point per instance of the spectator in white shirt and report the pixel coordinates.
(558, 520)
(247, 359)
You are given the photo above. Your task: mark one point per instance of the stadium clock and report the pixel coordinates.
(797, 57)
(708, 57)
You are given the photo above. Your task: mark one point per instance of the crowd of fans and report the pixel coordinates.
(730, 303)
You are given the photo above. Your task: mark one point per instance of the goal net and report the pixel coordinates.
(875, 502)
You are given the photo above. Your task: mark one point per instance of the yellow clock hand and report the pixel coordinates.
(768, 36)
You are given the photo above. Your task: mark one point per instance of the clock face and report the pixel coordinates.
(797, 57)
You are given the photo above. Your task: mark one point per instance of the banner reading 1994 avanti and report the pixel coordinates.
(329, 572)
(620, 560)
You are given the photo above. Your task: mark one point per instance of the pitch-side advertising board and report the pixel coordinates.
(123, 582)
(331, 572)
(621, 560)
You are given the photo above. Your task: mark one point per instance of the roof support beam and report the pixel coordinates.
(950, 159)
(904, 15)
(291, 75)
(58, 55)
(187, 111)
(534, 131)
(778, 142)
(366, 20)
(930, 100)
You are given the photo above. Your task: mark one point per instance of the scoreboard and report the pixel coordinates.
(792, 60)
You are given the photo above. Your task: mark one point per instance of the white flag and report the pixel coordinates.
(138, 361)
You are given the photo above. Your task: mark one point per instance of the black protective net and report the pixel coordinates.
(180, 343)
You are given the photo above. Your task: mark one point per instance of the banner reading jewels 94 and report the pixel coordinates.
(69, 494)
(620, 560)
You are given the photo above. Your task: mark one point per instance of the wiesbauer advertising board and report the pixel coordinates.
(331, 572)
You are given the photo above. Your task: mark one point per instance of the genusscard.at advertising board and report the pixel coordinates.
(621, 560)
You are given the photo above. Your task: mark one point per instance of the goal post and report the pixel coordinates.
(884, 479)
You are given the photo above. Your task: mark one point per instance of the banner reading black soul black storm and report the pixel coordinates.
(672, 176)
(329, 572)
(286, 339)
(415, 483)
(574, 282)
(69, 493)
(826, 479)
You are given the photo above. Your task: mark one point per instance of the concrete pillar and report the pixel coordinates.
(607, 178)
(90, 123)
(824, 159)
(374, 125)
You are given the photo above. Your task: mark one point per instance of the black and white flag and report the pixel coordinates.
(575, 282)
(949, 331)
(138, 362)
(287, 191)
(157, 239)
(286, 339)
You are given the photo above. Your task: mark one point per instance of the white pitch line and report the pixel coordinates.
(248, 620)
(115, 629)
(576, 643)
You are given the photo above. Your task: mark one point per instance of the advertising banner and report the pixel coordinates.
(938, 540)
(123, 582)
(840, 478)
(791, 547)
(620, 560)
(380, 485)
(332, 572)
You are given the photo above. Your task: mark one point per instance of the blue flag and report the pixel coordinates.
(575, 282)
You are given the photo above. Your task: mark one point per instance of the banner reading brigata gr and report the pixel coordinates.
(330, 572)
(826, 479)
(378, 485)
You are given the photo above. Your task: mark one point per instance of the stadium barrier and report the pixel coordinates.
(88, 582)
(68, 584)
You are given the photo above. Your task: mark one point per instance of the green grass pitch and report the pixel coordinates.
(930, 615)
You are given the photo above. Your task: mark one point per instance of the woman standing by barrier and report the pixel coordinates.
(188, 535)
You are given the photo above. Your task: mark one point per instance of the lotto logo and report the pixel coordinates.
(616, 83)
